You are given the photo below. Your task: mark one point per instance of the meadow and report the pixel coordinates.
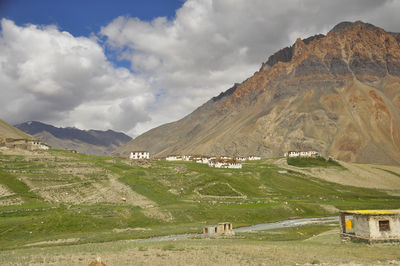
(65, 198)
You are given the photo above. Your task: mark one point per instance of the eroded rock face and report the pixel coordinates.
(338, 94)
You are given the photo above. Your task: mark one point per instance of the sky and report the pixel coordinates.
(134, 65)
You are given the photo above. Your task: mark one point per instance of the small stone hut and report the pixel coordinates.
(219, 230)
(370, 225)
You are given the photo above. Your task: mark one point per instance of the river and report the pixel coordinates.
(256, 227)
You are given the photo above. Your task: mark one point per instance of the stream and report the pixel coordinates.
(257, 227)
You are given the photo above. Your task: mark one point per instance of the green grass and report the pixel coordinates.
(270, 197)
(218, 190)
(313, 162)
(288, 234)
(17, 186)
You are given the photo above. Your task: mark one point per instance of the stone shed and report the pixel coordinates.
(219, 230)
(370, 225)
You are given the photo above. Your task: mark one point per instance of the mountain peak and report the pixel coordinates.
(348, 24)
(337, 94)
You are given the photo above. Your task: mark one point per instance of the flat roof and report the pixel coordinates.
(372, 212)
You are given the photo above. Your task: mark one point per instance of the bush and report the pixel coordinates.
(312, 162)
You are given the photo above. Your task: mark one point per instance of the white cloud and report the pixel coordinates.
(55, 77)
(211, 44)
(177, 64)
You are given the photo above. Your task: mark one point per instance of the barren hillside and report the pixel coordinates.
(338, 94)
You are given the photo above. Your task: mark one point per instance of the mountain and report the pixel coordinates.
(8, 131)
(337, 93)
(94, 142)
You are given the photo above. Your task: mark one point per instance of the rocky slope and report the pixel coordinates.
(8, 131)
(94, 142)
(338, 94)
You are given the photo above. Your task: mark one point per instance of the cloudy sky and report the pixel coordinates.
(133, 65)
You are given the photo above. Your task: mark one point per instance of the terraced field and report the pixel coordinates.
(59, 197)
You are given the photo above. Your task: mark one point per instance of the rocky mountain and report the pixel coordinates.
(8, 131)
(94, 142)
(337, 93)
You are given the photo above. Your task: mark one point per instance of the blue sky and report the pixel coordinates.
(82, 17)
(85, 17)
(134, 65)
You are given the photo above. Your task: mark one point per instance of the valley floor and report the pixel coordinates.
(325, 248)
(58, 207)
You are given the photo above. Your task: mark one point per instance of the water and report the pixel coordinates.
(257, 227)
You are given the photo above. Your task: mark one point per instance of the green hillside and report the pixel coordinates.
(62, 195)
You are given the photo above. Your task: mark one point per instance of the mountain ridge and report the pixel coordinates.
(94, 142)
(336, 93)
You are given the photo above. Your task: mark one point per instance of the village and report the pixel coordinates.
(23, 144)
(230, 162)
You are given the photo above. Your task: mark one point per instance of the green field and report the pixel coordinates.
(64, 196)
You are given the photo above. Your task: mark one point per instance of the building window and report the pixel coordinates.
(384, 226)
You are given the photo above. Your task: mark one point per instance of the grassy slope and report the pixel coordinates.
(8, 131)
(270, 197)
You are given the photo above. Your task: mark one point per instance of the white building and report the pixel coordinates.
(370, 225)
(40, 145)
(221, 163)
(254, 158)
(186, 157)
(301, 154)
(137, 155)
(174, 158)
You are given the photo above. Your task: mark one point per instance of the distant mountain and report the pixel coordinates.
(338, 94)
(93, 142)
(8, 131)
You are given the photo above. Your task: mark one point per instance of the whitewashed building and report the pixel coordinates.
(301, 154)
(221, 163)
(186, 157)
(174, 158)
(254, 158)
(138, 155)
(40, 145)
(370, 225)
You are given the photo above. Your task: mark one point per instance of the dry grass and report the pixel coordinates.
(355, 174)
(325, 249)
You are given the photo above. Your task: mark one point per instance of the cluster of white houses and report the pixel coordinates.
(139, 155)
(301, 154)
(218, 162)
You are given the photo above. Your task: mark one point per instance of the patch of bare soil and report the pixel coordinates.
(121, 230)
(7, 201)
(355, 174)
(4, 191)
(8, 151)
(53, 242)
(7, 197)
